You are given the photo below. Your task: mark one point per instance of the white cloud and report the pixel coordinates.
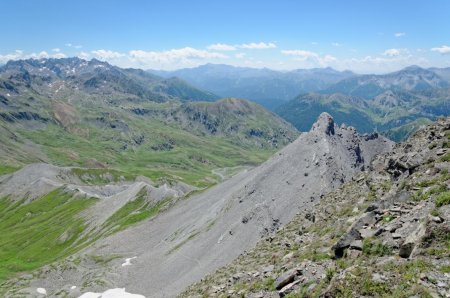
(314, 43)
(56, 50)
(299, 53)
(336, 44)
(259, 46)
(58, 55)
(221, 47)
(173, 55)
(240, 55)
(247, 46)
(107, 55)
(442, 50)
(313, 58)
(19, 54)
(392, 52)
(399, 34)
(84, 55)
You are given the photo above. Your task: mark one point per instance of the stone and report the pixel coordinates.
(396, 236)
(441, 151)
(366, 233)
(435, 219)
(288, 256)
(357, 244)
(288, 288)
(411, 241)
(377, 277)
(287, 278)
(268, 269)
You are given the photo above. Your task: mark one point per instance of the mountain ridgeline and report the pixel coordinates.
(396, 104)
(267, 87)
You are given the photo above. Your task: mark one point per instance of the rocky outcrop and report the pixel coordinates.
(384, 233)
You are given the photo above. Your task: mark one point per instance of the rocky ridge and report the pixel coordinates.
(383, 234)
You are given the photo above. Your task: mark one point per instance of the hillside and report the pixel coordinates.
(71, 112)
(267, 87)
(383, 234)
(180, 244)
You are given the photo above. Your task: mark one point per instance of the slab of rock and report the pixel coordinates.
(288, 288)
(287, 278)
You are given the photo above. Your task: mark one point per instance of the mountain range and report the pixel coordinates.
(394, 104)
(267, 87)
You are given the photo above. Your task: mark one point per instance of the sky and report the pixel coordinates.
(363, 36)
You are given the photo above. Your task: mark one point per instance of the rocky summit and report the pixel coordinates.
(208, 230)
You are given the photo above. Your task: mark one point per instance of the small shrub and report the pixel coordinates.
(446, 157)
(443, 199)
(373, 247)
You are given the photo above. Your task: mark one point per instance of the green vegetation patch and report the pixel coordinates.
(134, 212)
(6, 169)
(40, 232)
(372, 247)
(101, 176)
(443, 199)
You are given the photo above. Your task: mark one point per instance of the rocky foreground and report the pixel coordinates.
(386, 233)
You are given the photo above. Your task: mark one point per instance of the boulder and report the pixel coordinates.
(411, 241)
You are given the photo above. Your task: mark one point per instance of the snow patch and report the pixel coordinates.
(128, 261)
(41, 291)
(111, 293)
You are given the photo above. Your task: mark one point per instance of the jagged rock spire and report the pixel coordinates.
(325, 123)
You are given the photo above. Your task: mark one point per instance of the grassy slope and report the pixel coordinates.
(191, 160)
(40, 232)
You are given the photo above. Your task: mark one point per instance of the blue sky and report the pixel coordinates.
(364, 36)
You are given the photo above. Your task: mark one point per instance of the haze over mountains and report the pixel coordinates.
(395, 103)
(267, 87)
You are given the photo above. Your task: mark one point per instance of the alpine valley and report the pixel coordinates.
(121, 182)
